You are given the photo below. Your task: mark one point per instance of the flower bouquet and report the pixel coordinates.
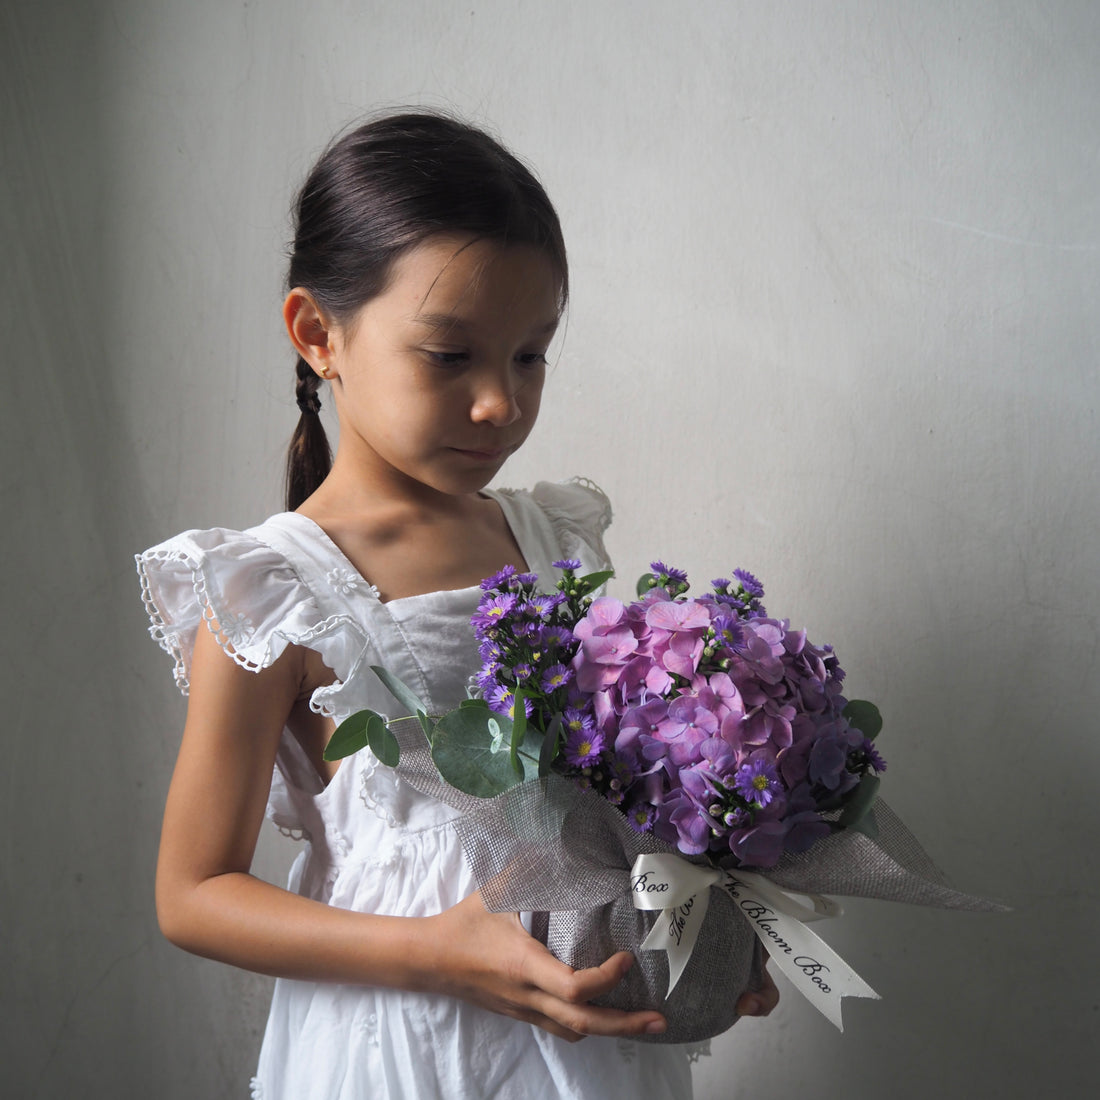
(681, 777)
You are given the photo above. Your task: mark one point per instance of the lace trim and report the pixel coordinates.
(236, 630)
(696, 1051)
(256, 1089)
(606, 515)
(367, 796)
(230, 630)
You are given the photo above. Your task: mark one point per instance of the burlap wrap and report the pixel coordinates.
(565, 854)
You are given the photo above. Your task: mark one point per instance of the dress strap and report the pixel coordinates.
(332, 580)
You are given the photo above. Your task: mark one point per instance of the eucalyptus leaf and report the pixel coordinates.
(594, 580)
(858, 806)
(865, 717)
(474, 704)
(549, 750)
(382, 741)
(400, 691)
(462, 752)
(350, 736)
(867, 825)
(519, 729)
(426, 724)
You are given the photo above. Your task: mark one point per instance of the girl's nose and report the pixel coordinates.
(496, 402)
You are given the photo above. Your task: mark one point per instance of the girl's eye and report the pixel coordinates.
(448, 358)
(533, 359)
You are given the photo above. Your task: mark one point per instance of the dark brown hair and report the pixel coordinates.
(384, 188)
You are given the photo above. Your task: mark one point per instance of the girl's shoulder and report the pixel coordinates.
(280, 583)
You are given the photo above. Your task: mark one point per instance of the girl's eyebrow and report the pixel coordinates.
(448, 322)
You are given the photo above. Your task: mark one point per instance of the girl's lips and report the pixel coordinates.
(482, 456)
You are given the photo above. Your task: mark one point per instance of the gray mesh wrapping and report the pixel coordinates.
(565, 854)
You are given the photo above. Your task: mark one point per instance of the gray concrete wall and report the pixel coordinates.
(835, 272)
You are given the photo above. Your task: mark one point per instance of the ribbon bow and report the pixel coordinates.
(681, 890)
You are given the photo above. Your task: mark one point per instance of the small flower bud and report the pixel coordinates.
(716, 810)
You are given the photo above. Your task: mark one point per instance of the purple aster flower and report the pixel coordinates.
(556, 676)
(756, 782)
(486, 684)
(575, 719)
(642, 817)
(583, 748)
(493, 610)
(541, 604)
(567, 563)
(872, 755)
(749, 583)
(727, 631)
(500, 579)
(502, 699)
(668, 571)
(556, 637)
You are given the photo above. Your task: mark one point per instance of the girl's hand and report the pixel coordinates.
(759, 1002)
(489, 959)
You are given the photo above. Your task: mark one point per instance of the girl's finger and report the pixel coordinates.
(759, 1002)
(563, 995)
(588, 1019)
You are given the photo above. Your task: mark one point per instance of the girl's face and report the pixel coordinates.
(437, 379)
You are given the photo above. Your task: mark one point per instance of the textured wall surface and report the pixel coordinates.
(835, 282)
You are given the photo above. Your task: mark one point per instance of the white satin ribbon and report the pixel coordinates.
(681, 890)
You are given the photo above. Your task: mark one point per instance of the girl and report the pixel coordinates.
(427, 279)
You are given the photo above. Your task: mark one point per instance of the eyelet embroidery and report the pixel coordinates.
(345, 582)
(369, 1027)
(236, 629)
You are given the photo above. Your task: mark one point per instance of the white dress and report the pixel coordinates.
(372, 843)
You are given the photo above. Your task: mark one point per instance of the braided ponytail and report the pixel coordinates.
(383, 189)
(309, 457)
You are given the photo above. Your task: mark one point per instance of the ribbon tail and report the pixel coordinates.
(813, 967)
(676, 932)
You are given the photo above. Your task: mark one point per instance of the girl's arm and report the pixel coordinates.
(210, 904)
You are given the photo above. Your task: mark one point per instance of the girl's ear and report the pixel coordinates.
(310, 331)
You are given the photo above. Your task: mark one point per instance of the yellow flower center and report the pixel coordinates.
(760, 782)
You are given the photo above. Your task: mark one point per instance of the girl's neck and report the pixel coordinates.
(410, 543)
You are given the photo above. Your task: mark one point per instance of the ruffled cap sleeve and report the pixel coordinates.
(580, 513)
(234, 582)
